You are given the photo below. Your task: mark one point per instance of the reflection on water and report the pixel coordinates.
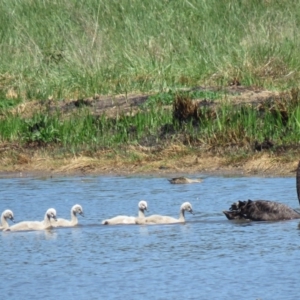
(208, 257)
(39, 235)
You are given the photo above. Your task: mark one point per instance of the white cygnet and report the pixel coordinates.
(76, 209)
(35, 225)
(118, 220)
(158, 219)
(7, 214)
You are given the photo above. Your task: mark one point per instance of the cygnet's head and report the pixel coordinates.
(187, 206)
(143, 205)
(77, 209)
(8, 214)
(51, 213)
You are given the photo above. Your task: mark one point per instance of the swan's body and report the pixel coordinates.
(184, 180)
(263, 210)
(36, 225)
(76, 209)
(158, 219)
(118, 220)
(7, 214)
(260, 210)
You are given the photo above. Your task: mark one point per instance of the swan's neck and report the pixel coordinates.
(47, 221)
(4, 222)
(73, 217)
(181, 216)
(141, 213)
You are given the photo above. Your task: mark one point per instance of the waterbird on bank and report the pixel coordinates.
(76, 209)
(264, 210)
(7, 214)
(118, 220)
(35, 225)
(159, 219)
(184, 180)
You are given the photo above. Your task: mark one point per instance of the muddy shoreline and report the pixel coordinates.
(260, 164)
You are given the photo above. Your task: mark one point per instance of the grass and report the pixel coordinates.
(167, 98)
(226, 126)
(70, 49)
(73, 49)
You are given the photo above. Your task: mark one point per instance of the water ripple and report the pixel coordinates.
(208, 257)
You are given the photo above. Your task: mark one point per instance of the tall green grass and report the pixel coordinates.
(75, 48)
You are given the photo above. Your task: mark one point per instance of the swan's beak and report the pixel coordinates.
(54, 217)
(191, 211)
(13, 220)
(82, 214)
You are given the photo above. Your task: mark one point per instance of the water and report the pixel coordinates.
(207, 258)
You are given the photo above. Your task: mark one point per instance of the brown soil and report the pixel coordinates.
(172, 161)
(112, 106)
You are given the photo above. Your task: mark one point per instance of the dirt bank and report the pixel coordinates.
(170, 162)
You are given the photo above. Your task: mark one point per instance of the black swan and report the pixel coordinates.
(264, 210)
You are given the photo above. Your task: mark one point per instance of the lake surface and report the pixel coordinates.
(209, 257)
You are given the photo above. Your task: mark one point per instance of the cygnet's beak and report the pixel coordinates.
(191, 211)
(54, 217)
(82, 214)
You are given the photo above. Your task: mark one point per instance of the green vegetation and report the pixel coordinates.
(167, 98)
(81, 131)
(274, 123)
(75, 48)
